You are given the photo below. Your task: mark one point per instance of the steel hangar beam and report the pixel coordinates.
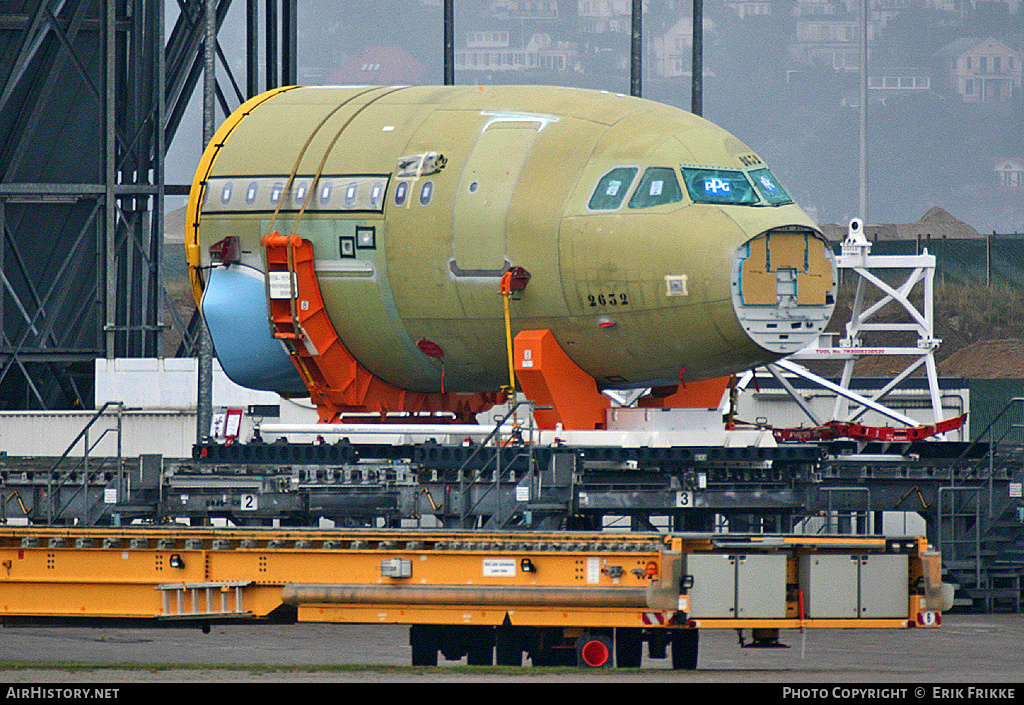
(91, 96)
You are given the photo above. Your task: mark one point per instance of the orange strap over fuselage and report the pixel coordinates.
(336, 381)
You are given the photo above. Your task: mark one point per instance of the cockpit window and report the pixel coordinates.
(657, 186)
(768, 187)
(719, 186)
(612, 188)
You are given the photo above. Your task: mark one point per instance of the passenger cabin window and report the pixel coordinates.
(770, 190)
(657, 186)
(325, 193)
(401, 192)
(719, 186)
(426, 193)
(377, 194)
(612, 188)
(361, 193)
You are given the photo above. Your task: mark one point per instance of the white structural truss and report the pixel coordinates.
(856, 256)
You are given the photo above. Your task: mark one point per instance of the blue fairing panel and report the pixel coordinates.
(235, 309)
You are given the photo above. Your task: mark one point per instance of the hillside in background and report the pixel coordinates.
(978, 297)
(981, 329)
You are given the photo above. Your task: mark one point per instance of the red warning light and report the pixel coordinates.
(519, 279)
(430, 349)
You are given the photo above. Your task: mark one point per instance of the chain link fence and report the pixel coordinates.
(996, 260)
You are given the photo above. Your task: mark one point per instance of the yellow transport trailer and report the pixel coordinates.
(565, 598)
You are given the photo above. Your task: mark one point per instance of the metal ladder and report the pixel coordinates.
(176, 608)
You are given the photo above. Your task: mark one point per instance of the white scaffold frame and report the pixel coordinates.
(856, 256)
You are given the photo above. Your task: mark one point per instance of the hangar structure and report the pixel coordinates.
(91, 95)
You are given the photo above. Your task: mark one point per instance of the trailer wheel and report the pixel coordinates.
(508, 646)
(480, 646)
(657, 643)
(549, 647)
(629, 643)
(423, 639)
(684, 649)
(554, 656)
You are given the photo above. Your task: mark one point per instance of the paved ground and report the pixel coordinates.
(967, 649)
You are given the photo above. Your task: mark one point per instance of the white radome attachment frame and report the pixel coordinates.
(856, 256)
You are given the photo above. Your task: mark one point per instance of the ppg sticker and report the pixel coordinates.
(767, 183)
(716, 186)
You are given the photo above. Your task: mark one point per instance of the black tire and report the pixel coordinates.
(685, 644)
(508, 647)
(548, 647)
(561, 656)
(629, 643)
(657, 643)
(480, 646)
(423, 640)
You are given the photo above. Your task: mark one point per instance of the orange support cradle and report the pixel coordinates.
(549, 378)
(705, 394)
(336, 381)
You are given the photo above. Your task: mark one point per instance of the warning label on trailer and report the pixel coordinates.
(499, 567)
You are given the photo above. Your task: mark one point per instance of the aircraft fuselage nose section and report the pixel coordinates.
(784, 288)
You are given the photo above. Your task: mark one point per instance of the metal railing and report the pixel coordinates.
(465, 509)
(994, 445)
(52, 489)
(1004, 439)
(942, 542)
(854, 513)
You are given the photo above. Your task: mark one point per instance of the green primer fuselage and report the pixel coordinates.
(520, 168)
